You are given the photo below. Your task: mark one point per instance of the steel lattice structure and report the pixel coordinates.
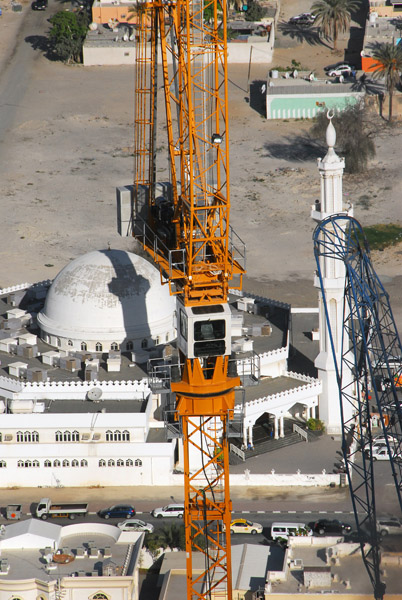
(371, 355)
(189, 238)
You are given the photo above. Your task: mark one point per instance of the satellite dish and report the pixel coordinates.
(95, 394)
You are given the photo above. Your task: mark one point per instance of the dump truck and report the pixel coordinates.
(46, 510)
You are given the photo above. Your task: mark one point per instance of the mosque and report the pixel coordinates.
(79, 404)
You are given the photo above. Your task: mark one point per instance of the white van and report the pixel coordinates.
(286, 530)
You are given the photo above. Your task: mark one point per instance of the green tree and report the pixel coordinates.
(254, 11)
(68, 34)
(355, 128)
(389, 66)
(334, 16)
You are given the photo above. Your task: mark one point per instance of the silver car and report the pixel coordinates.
(388, 526)
(135, 525)
(171, 510)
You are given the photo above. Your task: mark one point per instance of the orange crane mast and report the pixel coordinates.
(186, 230)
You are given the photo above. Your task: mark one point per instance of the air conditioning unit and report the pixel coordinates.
(85, 436)
(96, 436)
(297, 563)
(8, 437)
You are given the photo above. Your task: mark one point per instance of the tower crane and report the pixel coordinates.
(368, 370)
(184, 226)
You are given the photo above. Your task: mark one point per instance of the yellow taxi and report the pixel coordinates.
(244, 526)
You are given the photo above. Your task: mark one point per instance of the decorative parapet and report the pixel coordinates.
(267, 301)
(24, 286)
(302, 377)
(277, 353)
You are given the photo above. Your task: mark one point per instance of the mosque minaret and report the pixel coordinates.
(331, 169)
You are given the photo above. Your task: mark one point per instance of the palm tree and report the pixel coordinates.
(388, 65)
(334, 16)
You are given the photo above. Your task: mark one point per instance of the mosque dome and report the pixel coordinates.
(107, 300)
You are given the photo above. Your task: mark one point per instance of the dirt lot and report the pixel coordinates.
(71, 145)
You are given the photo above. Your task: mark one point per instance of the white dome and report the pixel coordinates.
(107, 297)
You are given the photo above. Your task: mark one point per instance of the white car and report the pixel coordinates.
(171, 510)
(344, 70)
(380, 452)
(303, 19)
(135, 525)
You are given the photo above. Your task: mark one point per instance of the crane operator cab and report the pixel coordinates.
(204, 331)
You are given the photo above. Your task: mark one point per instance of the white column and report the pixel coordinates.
(281, 422)
(244, 435)
(250, 435)
(276, 434)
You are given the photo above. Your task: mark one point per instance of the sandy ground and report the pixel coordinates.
(71, 142)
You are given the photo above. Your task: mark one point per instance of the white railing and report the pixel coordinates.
(300, 431)
(238, 452)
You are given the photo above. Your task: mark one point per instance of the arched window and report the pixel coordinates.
(130, 346)
(84, 463)
(144, 343)
(28, 464)
(66, 463)
(35, 436)
(35, 463)
(75, 436)
(20, 463)
(20, 436)
(102, 463)
(120, 462)
(3, 464)
(110, 462)
(47, 463)
(59, 436)
(117, 436)
(100, 596)
(157, 340)
(56, 463)
(58, 342)
(27, 436)
(125, 436)
(67, 436)
(109, 436)
(129, 462)
(138, 462)
(84, 346)
(75, 463)
(114, 346)
(70, 342)
(98, 347)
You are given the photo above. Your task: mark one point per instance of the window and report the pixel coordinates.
(20, 463)
(1, 437)
(183, 324)
(109, 436)
(126, 436)
(35, 436)
(27, 436)
(75, 463)
(99, 596)
(66, 463)
(98, 347)
(3, 464)
(27, 464)
(120, 462)
(110, 462)
(58, 342)
(84, 463)
(59, 436)
(144, 343)
(117, 436)
(75, 437)
(20, 437)
(56, 463)
(138, 462)
(129, 462)
(67, 436)
(114, 346)
(157, 340)
(84, 346)
(130, 346)
(47, 463)
(102, 463)
(167, 338)
(35, 463)
(70, 343)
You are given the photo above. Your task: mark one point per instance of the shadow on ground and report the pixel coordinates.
(296, 148)
(302, 33)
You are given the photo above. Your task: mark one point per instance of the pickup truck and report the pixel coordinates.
(46, 509)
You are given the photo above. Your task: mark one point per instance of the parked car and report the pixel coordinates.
(244, 526)
(135, 525)
(380, 452)
(389, 526)
(39, 5)
(344, 70)
(118, 510)
(339, 65)
(171, 510)
(283, 531)
(330, 527)
(303, 19)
